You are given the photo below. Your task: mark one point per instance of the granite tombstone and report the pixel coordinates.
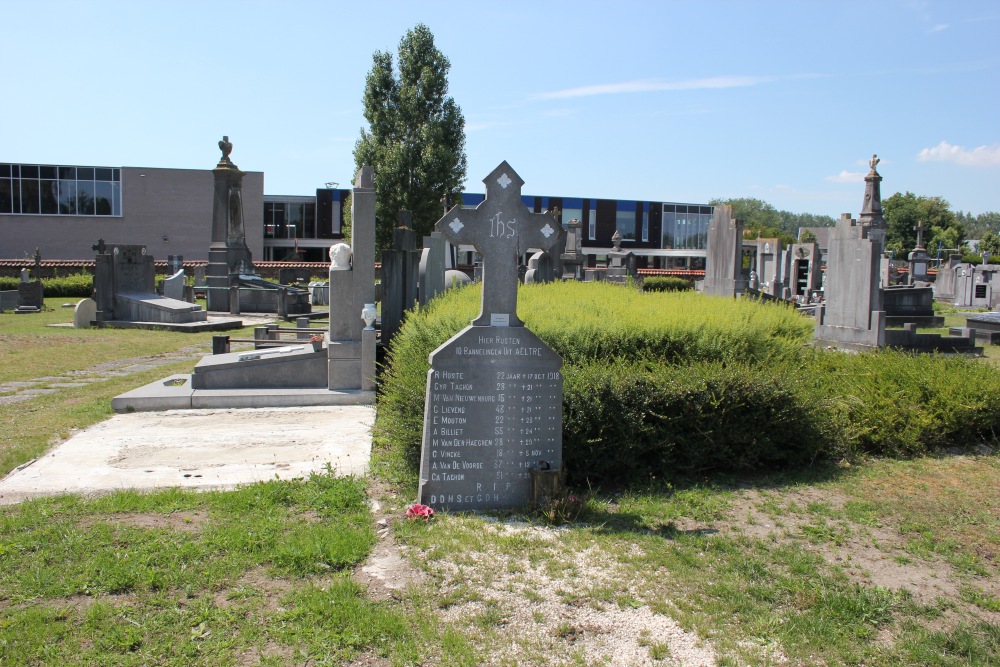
(493, 407)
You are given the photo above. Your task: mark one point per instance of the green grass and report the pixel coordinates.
(261, 575)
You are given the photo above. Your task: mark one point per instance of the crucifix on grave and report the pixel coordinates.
(919, 228)
(501, 229)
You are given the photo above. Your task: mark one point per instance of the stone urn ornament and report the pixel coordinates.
(368, 314)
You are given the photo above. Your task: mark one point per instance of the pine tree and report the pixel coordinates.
(416, 135)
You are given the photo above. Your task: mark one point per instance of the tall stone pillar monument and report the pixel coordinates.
(228, 255)
(352, 288)
(853, 316)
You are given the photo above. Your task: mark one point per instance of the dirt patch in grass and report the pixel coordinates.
(869, 553)
(387, 571)
(184, 522)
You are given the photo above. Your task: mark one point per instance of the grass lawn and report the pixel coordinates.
(880, 563)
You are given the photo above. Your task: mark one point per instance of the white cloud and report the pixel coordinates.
(485, 125)
(649, 86)
(983, 156)
(847, 177)
(939, 27)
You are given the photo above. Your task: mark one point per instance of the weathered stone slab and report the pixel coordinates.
(493, 413)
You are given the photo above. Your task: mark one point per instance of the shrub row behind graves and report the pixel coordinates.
(893, 403)
(584, 323)
(632, 422)
(79, 285)
(724, 385)
(666, 284)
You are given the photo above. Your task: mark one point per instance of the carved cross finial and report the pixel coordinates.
(501, 229)
(100, 247)
(920, 227)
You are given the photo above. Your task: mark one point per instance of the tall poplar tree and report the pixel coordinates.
(416, 135)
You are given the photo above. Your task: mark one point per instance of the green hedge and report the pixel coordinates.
(666, 284)
(77, 285)
(661, 384)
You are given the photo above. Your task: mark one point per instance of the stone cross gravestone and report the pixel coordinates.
(502, 229)
(493, 407)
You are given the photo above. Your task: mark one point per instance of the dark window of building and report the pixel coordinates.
(49, 191)
(102, 197)
(625, 220)
(85, 197)
(29, 194)
(55, 190)
(67, 197)
(5, 198)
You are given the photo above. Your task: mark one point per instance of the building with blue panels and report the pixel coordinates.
(64, 209)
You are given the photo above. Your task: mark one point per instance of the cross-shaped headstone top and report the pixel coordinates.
(100, 246)
(920, 227)
(501, 229)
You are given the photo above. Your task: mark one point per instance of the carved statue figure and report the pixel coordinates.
(340, 257)
(226, 147)
(874, 161)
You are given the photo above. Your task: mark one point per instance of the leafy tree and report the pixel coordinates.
(791, 222)
(807, 237)
(416, 135)
(761, 219)
(904, 211)
(977, 226)
(990, 243)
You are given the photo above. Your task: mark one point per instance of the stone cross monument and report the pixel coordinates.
(501, 229)
(493, 407)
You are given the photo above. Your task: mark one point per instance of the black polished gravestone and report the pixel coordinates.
(493, 407)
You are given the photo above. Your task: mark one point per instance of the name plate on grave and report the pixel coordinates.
(493, 412)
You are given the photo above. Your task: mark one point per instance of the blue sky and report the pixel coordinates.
(656, 100)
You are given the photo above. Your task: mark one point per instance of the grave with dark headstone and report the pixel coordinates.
(30, 295)
(493, 407)
(432, 267)
(125, 290)
(400, 281)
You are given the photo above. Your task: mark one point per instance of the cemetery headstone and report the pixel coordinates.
(351, 349)
(399, 277)
(173, 287)
(724, 257)
(30, 295)
(84, 314)
(493, 406)
(572, 257)
(432, 267)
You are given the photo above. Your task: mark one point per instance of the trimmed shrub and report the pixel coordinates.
(633, 422)
(661, 384)
(666, 284)
(79, 285)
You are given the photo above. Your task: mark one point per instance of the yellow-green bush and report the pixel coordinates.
(666, 383)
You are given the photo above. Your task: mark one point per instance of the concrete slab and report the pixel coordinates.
(176, 393)
(200, 449)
